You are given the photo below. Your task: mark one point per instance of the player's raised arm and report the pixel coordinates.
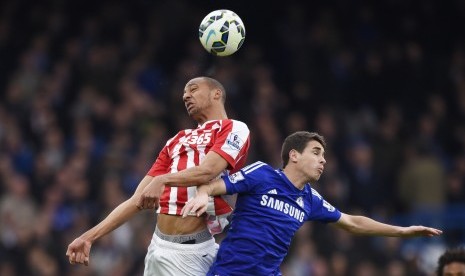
(366, 226)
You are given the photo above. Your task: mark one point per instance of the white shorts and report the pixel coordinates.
(166, 258)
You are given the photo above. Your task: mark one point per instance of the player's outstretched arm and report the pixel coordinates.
(366, 226)
(198, 204)
(211, 167)
(79, 250)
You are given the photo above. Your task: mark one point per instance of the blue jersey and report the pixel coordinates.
(269, 210)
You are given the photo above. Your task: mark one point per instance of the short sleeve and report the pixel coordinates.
(245, 180)
(232, 143)
(161, 165)
(321, 210)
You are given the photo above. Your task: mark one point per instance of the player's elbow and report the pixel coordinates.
(350, 224)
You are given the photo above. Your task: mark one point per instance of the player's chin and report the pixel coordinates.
(318, 175)
(192, 111)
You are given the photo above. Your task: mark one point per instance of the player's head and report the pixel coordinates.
(202, 95)
(305, 151)
(452, 262)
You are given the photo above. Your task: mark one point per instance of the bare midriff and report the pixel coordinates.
(176, 225)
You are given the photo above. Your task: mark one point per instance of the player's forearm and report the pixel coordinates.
(366, 226)
(116, 218)
(210, 168)
(190, 177)
(214, 188)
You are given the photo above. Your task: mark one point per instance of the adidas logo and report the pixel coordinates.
(274, 192)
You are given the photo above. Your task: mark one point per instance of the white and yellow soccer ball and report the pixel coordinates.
(222, 32)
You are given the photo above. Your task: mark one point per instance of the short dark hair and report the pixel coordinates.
(453, 255)
(214, 84)
(298, 141)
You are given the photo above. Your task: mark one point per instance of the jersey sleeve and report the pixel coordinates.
(245, 180)
(232, 143)
(162, 164)
(321, 210)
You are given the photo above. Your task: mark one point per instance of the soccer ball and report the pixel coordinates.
(222, 32)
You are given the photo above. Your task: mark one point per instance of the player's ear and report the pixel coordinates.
(217, 94)
(293, 155)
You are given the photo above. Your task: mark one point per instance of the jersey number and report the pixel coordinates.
(201, 139)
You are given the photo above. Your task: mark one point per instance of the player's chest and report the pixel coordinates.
(199, 139)
(291, 208)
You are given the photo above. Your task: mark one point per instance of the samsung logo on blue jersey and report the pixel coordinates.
(283, 207)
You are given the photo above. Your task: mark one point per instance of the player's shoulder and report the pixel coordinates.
(235, 121)
(315, 192)
(237, 124)
(258, 167)
(254, 172)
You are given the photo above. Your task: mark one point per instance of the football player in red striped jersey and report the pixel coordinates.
(218, 146)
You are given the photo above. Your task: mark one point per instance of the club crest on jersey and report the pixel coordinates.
(234, 141)
(236, 177)
(300, 201)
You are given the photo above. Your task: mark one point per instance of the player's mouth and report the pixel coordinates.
(320, 170)
(189, 106)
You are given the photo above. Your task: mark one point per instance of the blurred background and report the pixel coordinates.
(90, 91)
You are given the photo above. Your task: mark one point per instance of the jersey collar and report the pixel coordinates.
(284, 177)
(206, 122)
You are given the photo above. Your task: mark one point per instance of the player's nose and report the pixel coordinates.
(186, 96)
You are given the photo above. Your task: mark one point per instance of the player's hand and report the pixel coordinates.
(150, 196)
(79, 251)
(197, 205)
(420, 231)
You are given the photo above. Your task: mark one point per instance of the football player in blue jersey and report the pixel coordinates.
(273, 203)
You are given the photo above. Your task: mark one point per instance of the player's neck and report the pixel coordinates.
(296, 178)
(210, 116)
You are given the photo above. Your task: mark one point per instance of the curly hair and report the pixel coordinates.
(450, 256)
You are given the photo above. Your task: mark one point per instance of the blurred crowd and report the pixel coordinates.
(91, 91)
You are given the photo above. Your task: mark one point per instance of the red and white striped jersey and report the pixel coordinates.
(228, 138)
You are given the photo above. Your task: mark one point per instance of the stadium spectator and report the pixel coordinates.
(452, 262)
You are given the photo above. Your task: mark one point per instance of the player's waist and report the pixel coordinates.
(193, 238)
(177, 225)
